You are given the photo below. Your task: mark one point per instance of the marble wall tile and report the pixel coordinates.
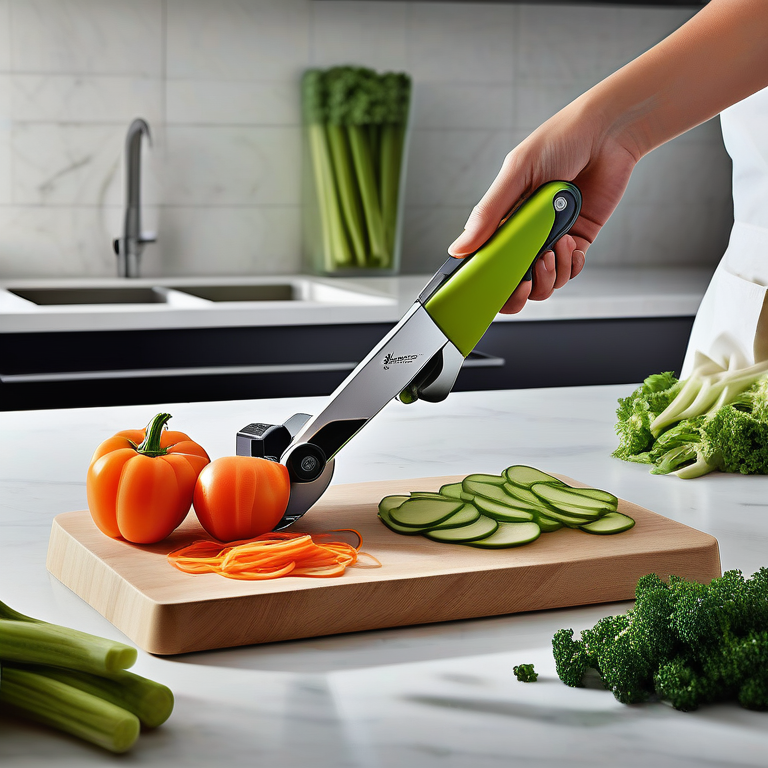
(225, 165)
(86, 99)
(372, 34)
(463, 42)
(427, 233)
(454, 167)
(5, 35)
(212, 240)
(586, 43)
(5, 140)
(684, 174)
(73, 164)
(536, 101)
(87, 36)
(237, 39)
(683, 235)
(226, 102)
(50, 241)
(446, 106)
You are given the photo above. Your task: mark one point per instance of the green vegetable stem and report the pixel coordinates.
(356, 119)
(76, 682)
(714, 420)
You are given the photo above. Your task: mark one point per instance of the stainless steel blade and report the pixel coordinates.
(385, 372)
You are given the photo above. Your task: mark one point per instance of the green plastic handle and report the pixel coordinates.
(465, 305)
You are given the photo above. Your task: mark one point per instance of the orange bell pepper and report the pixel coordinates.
(141, 481)
(239, 497)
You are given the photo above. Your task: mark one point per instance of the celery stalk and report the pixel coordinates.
(335, 246)
(151, 702)
(348, 193)
(54, 703)
(36, 642)
(392, 140)
(366, 179)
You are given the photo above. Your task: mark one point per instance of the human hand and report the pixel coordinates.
(575, 145)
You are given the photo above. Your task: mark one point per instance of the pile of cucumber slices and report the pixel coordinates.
(506, 510)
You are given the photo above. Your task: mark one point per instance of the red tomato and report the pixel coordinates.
(240, 497)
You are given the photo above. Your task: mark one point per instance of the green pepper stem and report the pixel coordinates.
(150, 446)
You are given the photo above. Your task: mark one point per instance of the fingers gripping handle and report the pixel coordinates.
(464, 305)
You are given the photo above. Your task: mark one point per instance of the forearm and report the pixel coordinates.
(716, 59)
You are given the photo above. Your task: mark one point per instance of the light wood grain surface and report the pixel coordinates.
(165, 611)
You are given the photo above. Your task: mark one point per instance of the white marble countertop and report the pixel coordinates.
(599, 292)
(437, 695)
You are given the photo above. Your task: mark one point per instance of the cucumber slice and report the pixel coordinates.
(481, 528)
(583, 512)
(424, 513)
(557, 495)
(388, 503)
(570, 520)
(428, 495)
(502, 512)
(490, 479)
(452, 490)
(595, 493)
(509, 535)
(520, 474)
(494, 492)
(466, 515)
(547, 524)
(613, 522)
(524, 498)
(464, 496)
(386, 517)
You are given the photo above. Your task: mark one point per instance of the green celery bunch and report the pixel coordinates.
(76, 682)
(355, 120)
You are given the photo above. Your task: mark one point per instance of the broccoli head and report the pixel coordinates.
(570, 658)
(636, 412)
(688, 643)
(525, 673)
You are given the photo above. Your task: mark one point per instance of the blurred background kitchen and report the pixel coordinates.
(218, 83)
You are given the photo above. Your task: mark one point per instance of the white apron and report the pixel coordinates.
(730, 328)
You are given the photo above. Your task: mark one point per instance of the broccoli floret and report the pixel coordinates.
(688, 643)
(570, 658)
(525, 673)
(636, 412)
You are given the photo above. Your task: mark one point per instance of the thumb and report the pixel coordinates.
(501, 197)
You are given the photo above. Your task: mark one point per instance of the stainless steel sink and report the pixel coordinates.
(198, 294)
(117, 295)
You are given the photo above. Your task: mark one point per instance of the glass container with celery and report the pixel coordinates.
(356, 127)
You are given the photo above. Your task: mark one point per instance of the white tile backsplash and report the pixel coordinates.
(218, 83)
(237, 39)
(454, 167)
(56, 98)
(233, 165)
(463, 42)
(114, 37)
(227, 102)
(5, 35)
(213, 240)
(444, 105)
(372, 34)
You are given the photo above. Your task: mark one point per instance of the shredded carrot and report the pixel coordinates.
(273, 555)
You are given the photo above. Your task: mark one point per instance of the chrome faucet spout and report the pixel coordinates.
(130, 246)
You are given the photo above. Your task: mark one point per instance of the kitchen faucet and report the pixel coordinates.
(130, 246)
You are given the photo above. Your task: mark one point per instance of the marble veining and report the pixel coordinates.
(435, 695)
(218, 84)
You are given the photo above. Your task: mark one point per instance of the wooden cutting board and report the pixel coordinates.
(165, 611)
